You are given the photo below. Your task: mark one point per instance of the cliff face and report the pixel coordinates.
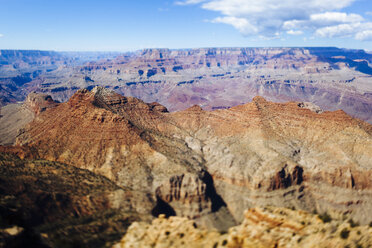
(211, 166)
(24, 71)
(214, 78)
(14, 117)
(283, 154)
(38, 103)
(20, 67)
(218, 78)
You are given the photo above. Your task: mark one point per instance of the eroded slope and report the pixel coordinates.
(211, 166)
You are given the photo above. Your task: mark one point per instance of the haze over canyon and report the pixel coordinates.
(213, 78)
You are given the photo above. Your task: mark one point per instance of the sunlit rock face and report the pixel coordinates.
(214, 78)
(213, 165)
(101, 161)
(261, 227)
(217, 78)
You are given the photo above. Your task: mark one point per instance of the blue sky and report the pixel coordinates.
(125, 25)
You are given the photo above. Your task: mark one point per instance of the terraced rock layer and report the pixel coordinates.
(218, 78)
(211, 166)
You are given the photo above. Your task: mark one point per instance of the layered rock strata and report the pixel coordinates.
(218, 78)
(211, 166)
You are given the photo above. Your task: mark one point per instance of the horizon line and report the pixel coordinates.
(175, 49)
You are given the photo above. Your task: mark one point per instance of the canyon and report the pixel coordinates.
(206, 166)
(209, 147)
(213, 78)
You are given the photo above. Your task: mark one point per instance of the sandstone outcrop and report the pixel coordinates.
(261, 227)
(38, 102)
(172, 232)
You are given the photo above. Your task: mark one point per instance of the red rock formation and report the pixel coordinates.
(197, 162)
(38, 102)
(218, 78)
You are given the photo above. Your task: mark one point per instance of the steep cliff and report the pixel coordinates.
(218, 78)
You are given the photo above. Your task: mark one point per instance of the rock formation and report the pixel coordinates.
(209, 166)
(200, 162)
(214, 78)
(218, 78)
(14, 117)
(261, 227)
(38, 103)
(23, 71)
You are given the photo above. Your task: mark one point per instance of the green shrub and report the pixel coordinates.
(352, 223)
(344, 234)
(325, 217)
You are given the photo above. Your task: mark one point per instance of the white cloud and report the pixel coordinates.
(271, 18)
(1, 35)
(364, 35)
(283, 8)
(341, 30)
(335, 17)
(295, 32)
(241, 24)
(294, 24)
(358, 30)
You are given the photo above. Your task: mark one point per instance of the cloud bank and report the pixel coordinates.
(272, 18)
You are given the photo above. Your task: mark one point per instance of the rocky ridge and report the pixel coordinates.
(211, 166)
(118, 137)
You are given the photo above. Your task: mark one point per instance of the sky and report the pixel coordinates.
(128, 25)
